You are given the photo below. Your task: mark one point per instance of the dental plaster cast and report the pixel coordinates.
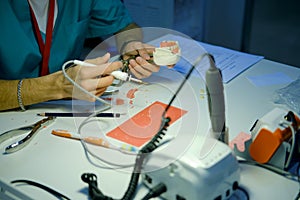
(167, 54)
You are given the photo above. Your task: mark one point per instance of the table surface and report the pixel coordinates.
(59, 162)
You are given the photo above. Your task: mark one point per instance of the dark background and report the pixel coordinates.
(270, 28)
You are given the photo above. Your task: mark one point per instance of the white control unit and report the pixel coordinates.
(207, 170)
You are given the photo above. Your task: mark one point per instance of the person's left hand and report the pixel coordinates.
(142, 66)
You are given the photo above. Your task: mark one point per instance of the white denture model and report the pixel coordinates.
(167, 54)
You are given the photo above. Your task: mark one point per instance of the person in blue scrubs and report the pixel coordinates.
(23, 80)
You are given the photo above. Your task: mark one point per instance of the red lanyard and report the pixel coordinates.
(44, 48)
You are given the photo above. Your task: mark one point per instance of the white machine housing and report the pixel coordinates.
(195, 175)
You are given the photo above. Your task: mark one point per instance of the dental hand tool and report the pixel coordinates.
(93, 140)
(216, 103)
(86, 64)
(19, 131)
(123, 76)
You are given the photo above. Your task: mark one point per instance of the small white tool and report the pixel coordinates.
(123, 76)
(82, 63)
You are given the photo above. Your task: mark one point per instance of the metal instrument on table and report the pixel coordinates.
(33, 128)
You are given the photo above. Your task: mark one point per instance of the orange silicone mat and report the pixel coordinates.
(140, 128)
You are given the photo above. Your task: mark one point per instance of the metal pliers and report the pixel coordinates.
(19, 131)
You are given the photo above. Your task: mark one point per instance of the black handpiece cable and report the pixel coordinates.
(91, 179)
(44, 187)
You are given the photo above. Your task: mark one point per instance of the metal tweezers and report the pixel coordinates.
(16, 146)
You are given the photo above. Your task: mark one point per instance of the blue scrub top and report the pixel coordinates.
(76, 20)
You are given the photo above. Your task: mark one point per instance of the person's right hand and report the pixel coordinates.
(93, 79)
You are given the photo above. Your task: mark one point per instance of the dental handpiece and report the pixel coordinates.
(123, 76)
(215, 93)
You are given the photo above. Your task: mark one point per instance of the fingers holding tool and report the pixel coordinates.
(141, 68)
(94, 76)
(147, 59)
(138, 59)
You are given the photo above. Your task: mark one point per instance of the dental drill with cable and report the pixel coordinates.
(167, 54)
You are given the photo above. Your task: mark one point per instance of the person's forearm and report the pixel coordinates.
(34, 90)
(8, 97)
(43, 89)
(132, 32)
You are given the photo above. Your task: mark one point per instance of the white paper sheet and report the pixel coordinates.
(230, 62)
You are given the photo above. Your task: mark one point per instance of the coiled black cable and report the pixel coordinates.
(96, 194)
(91, 179)
(156, 191)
